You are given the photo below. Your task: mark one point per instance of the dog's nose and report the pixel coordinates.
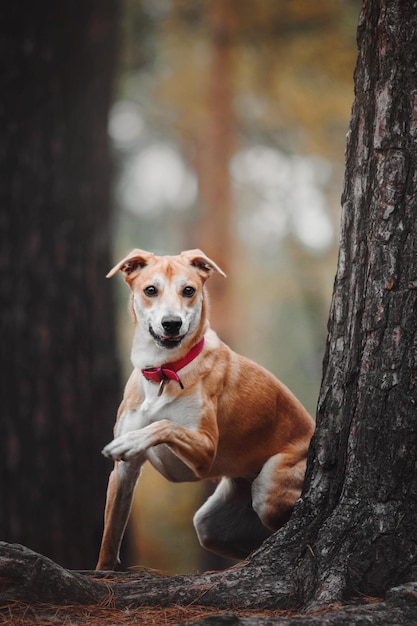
(171, 325)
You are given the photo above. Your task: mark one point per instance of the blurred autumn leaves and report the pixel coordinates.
(228, 132)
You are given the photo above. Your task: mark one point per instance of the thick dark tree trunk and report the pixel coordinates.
(59, 381)
(362, 481)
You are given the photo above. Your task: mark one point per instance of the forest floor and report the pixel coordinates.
(399, 610)
(21, 614)
(35, 591)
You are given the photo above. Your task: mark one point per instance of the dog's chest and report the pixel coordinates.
(183, 409)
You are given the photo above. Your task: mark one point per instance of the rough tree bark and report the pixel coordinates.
(362, 482)
(354, 530)
(59, 382)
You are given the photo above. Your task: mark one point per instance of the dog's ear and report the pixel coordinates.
(130, 265)
(202, 263)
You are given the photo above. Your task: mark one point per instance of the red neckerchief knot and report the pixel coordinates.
(168, 371)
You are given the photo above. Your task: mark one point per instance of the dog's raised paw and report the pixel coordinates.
(108, 453)
(115, 451)
(122, 448)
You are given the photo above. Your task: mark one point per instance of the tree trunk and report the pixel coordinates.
(59, 377)
(215, 149)
(360, 504)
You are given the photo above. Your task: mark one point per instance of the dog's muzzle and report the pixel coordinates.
(171, 337)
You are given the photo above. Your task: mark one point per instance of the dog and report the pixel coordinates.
(195, 409)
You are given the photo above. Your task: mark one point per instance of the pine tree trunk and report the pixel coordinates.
(217, 143)
(362, 480)
(59, 382)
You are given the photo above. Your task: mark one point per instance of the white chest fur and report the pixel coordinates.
(183, 409)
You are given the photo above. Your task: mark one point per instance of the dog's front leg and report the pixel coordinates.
(196, 448)
(120, 490)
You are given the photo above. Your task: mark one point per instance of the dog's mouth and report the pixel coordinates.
(165, 341)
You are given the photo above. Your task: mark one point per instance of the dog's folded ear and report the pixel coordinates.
(202, 263)
(130, 265)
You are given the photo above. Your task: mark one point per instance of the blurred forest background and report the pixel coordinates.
(226, 121)
(228, 132)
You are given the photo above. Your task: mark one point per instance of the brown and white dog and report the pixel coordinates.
(195, 410)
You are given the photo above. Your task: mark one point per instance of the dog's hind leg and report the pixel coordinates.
(227, 524)
(120, 490)
(277, 487)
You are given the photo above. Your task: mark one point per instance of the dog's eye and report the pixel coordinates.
(150, 291)
(188, 292)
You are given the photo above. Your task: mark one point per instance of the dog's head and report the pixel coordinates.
(167, 292)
